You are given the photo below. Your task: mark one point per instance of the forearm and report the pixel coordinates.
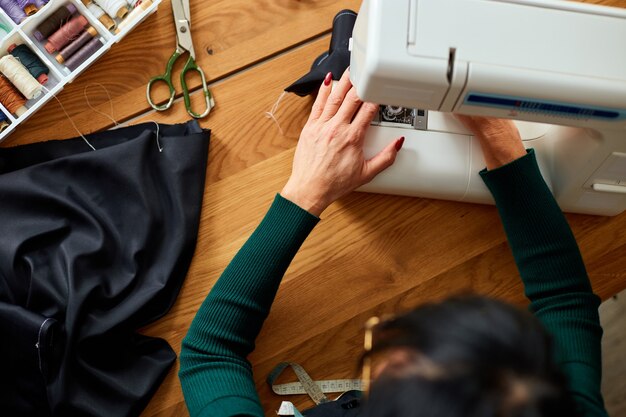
(221, 336)
(543, 245)
(554, 275)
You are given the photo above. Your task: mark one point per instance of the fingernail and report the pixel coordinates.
(328, 79)
(399, 143)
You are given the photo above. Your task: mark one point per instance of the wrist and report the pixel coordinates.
(498, 152)
(305, 200)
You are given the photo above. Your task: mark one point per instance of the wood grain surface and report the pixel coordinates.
(371, 254)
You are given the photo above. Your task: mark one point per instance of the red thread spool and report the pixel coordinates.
(66, 34)
(11, 98)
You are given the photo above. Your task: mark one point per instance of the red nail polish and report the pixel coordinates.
(328, 79)
(399, 143)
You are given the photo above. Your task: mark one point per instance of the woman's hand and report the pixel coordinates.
(329, 161)
(499, 139)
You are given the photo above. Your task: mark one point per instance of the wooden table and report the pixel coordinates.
(371, 254)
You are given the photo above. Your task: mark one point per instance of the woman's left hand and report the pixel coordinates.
(329, 161)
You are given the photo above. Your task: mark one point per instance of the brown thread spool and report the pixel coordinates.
(70, 49)
(67, 33)
(57, 19)
(10, 98)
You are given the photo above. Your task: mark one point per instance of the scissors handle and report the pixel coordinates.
(192, 66)
(167, 79)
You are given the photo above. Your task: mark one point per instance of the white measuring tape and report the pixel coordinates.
(315, 389)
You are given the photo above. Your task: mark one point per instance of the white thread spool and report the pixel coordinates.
(133, 15)
(20, 77)
(101, 16)
(114, 8)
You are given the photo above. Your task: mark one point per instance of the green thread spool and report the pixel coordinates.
(31, 61)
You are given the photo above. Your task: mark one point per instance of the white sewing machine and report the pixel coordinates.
(547, 61)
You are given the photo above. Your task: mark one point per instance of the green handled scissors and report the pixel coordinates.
(184, 43)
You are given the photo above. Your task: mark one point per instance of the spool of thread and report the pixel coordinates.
(134, 3)
(40, 3)
(13, 10)
(4, 121)
(57, 19)
(28, 6)
(20, 77)
(71, 49)
(114, 8)
(83, 54)
(101, 16)
(31, 61)
(133, 15)
(66, 34)
(11, 98)
(4, 28)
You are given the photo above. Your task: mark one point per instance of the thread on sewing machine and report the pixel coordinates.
(58, 18)
(20, 77)
(28, 6)
(11, 98)
(114, 8)
(83, 54)
(31, 61)
(13, 10)
(66, 34)
(110, 117)
(272, 113)
(76, 44)
(99, 14)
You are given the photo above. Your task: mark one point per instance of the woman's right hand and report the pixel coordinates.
(329, 161)
(499, 139)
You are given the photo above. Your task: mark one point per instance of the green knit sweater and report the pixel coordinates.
(217, 378)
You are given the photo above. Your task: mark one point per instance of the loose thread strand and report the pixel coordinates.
(71, 120)
(272, 113)
(158, 141)
(111, 116)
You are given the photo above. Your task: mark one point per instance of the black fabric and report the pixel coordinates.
(335, 60)
(349, 404)
(93, 246)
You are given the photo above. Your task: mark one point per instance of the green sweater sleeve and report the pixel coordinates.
(215, 375)
(554, 276)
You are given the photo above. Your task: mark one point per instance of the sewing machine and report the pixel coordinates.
(535, 61)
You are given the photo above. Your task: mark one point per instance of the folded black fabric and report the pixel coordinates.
(93, 246)
(335, 60)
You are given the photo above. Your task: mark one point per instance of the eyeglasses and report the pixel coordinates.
(366, 372)
(371, 361)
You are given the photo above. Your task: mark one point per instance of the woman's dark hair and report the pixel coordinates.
(473, 357)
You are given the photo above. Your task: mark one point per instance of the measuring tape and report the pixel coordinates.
(315, 389)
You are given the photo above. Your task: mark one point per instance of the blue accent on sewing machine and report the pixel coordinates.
(559, 109)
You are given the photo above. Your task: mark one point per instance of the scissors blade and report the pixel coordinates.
(183, 26)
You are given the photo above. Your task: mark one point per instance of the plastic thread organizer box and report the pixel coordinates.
(59, 75)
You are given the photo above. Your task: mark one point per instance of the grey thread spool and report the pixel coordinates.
(83, 54)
